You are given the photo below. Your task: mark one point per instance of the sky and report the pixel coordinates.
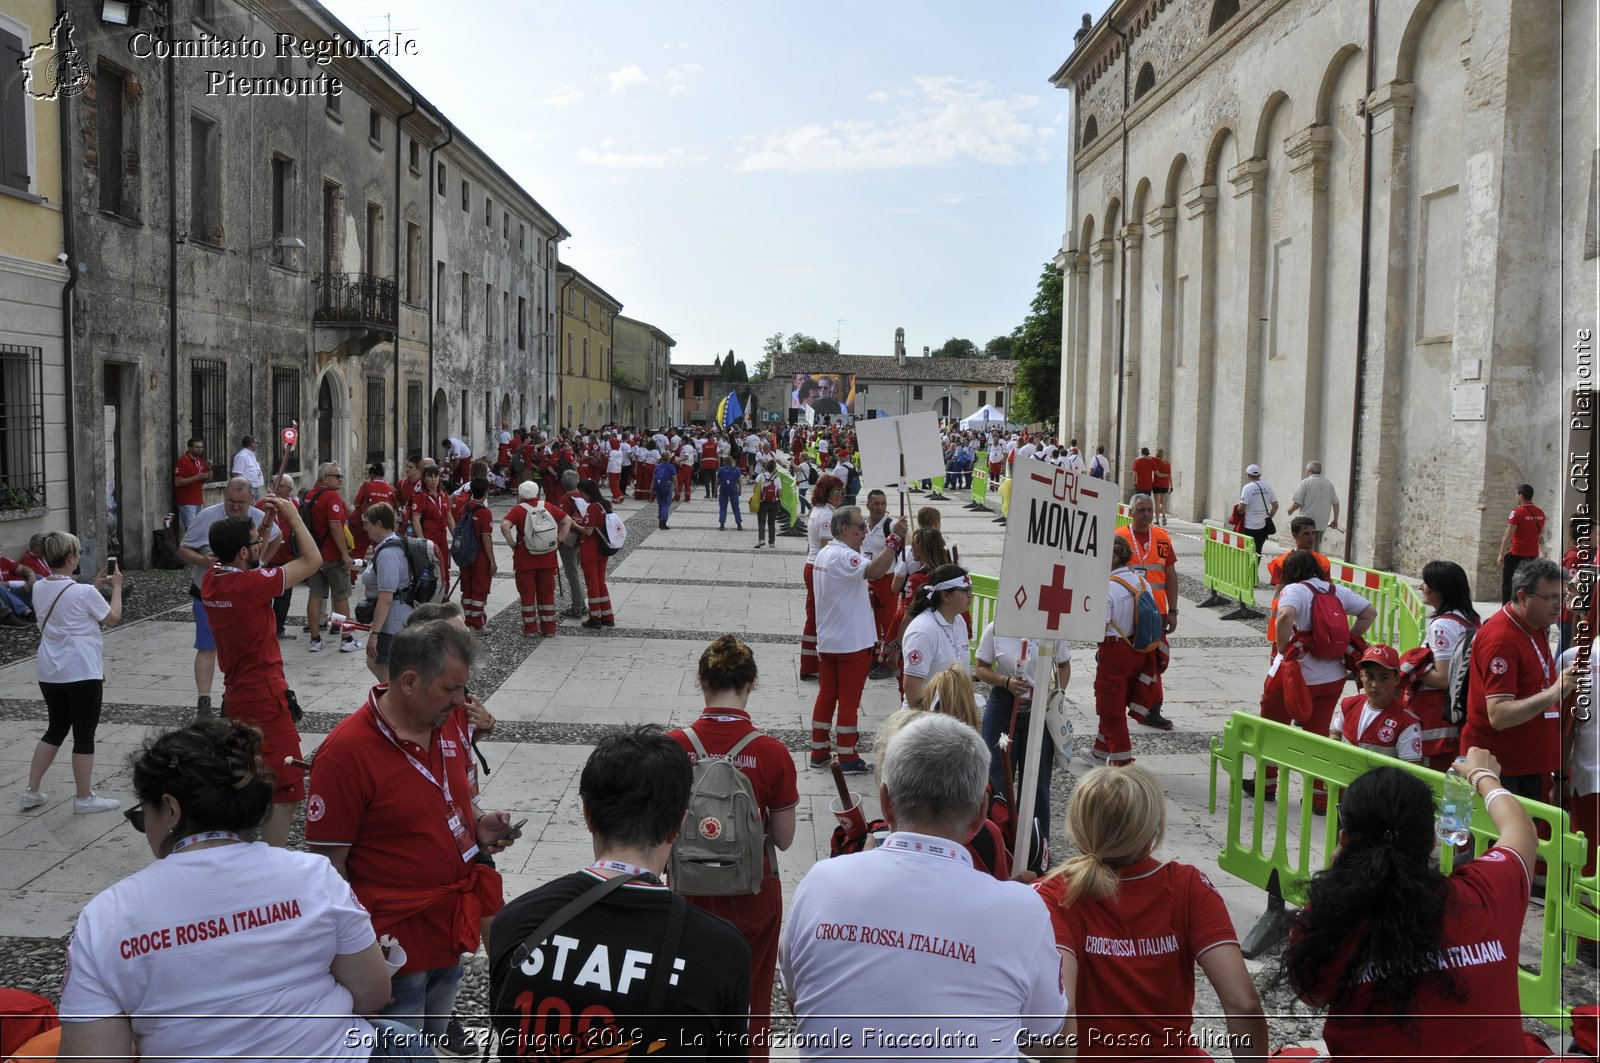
(729, 171)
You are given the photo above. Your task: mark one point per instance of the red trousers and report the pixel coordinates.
(1116, 680)
(1324, 699)
(614, 479)
(841, 677)
(537, 589)
(682, 490)
(594, 581)
(757, 917)
(808, 637)
(644, 475)
(884, 606)
(475, 582)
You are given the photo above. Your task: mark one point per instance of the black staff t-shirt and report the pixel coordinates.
(585, 992)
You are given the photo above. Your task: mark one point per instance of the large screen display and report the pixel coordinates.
(825, 394)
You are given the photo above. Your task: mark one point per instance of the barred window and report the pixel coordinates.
(413, 417)
(285, 412)
(208, 406)
(21, 427)
(375, 448)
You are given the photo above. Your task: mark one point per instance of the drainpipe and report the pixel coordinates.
(433, 296)
(399, 142)
(68, 245)
(172, 244)
(1363, 309)
(1122, 265)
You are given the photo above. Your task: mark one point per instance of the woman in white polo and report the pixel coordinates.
(937, 635)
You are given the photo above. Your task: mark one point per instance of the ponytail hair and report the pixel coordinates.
(927, 544)
(1116, 818)
(926, 597)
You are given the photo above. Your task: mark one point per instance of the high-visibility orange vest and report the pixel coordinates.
(1151, 560)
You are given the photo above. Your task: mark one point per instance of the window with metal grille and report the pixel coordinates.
(413, 417)
(916, 392)
(375, 401)
(208, 406)
(522, 323)
(285, 412)
(21, 427)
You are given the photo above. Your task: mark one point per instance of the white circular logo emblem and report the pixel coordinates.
(315, 808)
(1499, 666)
(710, 828)
(914, 657)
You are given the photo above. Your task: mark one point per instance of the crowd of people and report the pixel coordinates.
(918, 920)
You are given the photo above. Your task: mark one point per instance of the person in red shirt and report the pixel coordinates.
(1374, 719)
(408, 486)
(727, 675)
(589, 511)
(391, 805)
(1408, 963)
(33, 558)
(375, 489)
(328, 519)
(189, 478)
(1131, 928)
(709, 463)
(1161, 485)
(685, 460)
(431, 518)
(535, 573)
(238, 596)
(1514, 697)
(1520, 542)
(1144, 472)
(1303, 530)
(478, 577)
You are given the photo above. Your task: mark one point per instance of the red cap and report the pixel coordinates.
(1382, 655)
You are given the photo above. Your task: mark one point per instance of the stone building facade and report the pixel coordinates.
(587, 323)
(251, 261)
(641, 379)
(1296, 234)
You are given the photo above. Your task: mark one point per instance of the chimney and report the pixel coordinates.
(899, 346)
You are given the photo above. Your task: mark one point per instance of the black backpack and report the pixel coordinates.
(424, 567)
(1459, 680)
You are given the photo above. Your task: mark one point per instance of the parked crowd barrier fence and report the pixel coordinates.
(1230, 571)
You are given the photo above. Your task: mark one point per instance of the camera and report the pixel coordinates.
(111, 566)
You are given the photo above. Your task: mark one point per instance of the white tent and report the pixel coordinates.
(985, 417)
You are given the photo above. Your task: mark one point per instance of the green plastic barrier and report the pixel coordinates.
(1411, 616)
(1279, 863)
(984, 591)
(1124, 518)
(789, 497)
(980, 479)
(1230, 570)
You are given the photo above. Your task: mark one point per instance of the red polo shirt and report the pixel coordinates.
(327, 507)
(190, 494)
(403, 864)
(1144, 473)
(1511, 660)
(765, 762)
(239, 609)
(1527, 524)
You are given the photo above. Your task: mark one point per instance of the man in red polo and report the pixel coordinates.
(1514, 696)
(238, 596)
(189, 478)
(1144, 472)
(1521, 539)
(392, 806)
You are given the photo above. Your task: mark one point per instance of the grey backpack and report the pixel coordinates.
(720, 849)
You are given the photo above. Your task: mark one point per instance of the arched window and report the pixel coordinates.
(1145, 82)
(1221, 12)
(1091, 129)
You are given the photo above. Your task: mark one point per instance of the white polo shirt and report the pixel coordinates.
(1009, 656)
(844, 608)
(1298, 596)
(819, 530)
(914, 954)
(930, 645)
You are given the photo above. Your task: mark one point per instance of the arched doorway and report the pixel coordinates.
(333, 422)
(439, 424)
(505, 416)
(949, 407)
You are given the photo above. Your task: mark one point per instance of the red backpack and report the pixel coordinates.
(1330, 630)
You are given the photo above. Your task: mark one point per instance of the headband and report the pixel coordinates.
(960, 583)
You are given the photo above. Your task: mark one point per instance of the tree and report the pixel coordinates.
(1001, 347)
(727, 369)
(718, 362)
(957, 348)
(1036, 343)
(740, 374)
(800, 343)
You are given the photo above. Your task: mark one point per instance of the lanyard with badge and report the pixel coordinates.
(465, 842)
(921, 845)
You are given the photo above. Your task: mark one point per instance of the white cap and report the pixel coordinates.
(1252, 470)
(528, 490)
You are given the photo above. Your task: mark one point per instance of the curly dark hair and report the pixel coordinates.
(213, 769)
(1384, 893)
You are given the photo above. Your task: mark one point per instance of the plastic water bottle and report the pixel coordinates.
(1455, 810)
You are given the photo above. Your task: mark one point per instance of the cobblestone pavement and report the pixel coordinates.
(554, 697)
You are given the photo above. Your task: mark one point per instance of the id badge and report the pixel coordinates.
(465, 842)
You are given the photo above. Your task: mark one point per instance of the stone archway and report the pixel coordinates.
(332, 420)
(439, 424)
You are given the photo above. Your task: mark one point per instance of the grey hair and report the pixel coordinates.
(842, 516)
(237, 481)
(58, 546)
(935, 770)
(325, 468)
(569, 479)
(1313, 468)
(423, 648)
(284, 478)
(1142, 496)
(1534, 571)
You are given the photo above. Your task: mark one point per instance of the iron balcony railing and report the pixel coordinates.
(356, 299)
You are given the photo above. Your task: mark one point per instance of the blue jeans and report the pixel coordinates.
(14, 601)
(397, 1041)
(996, 722)
(663, 502)
(423, 999)
(724, 500)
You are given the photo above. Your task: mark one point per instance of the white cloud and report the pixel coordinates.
(609, 158)
(946, 119)
(901, 210)
(565, 96)
(685, 71)
(677, 90)
(878, 97)
(628, 76)
(955, 198)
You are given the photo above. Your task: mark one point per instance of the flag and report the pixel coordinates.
(729, 410)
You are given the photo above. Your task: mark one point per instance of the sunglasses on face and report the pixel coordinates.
(135, 817)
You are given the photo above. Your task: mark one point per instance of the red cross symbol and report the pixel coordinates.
(290, 437)
(1055, 598)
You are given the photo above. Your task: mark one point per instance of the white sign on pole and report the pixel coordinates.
(1057, 558)
(882, 440)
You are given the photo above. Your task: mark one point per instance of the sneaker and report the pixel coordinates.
(94, 803)
(351, 646)
(1153, 718)
(287, 636)
(202, 707)
(34, 798)
(880, 672)
(572, 614)
(593, 621)
(456, 1041)
(820, 764)
(854, 766)
(759, 544)
(1086, 757)
(315, 645)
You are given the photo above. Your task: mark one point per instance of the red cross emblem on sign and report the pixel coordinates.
(290, 437)
(1055, 597)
